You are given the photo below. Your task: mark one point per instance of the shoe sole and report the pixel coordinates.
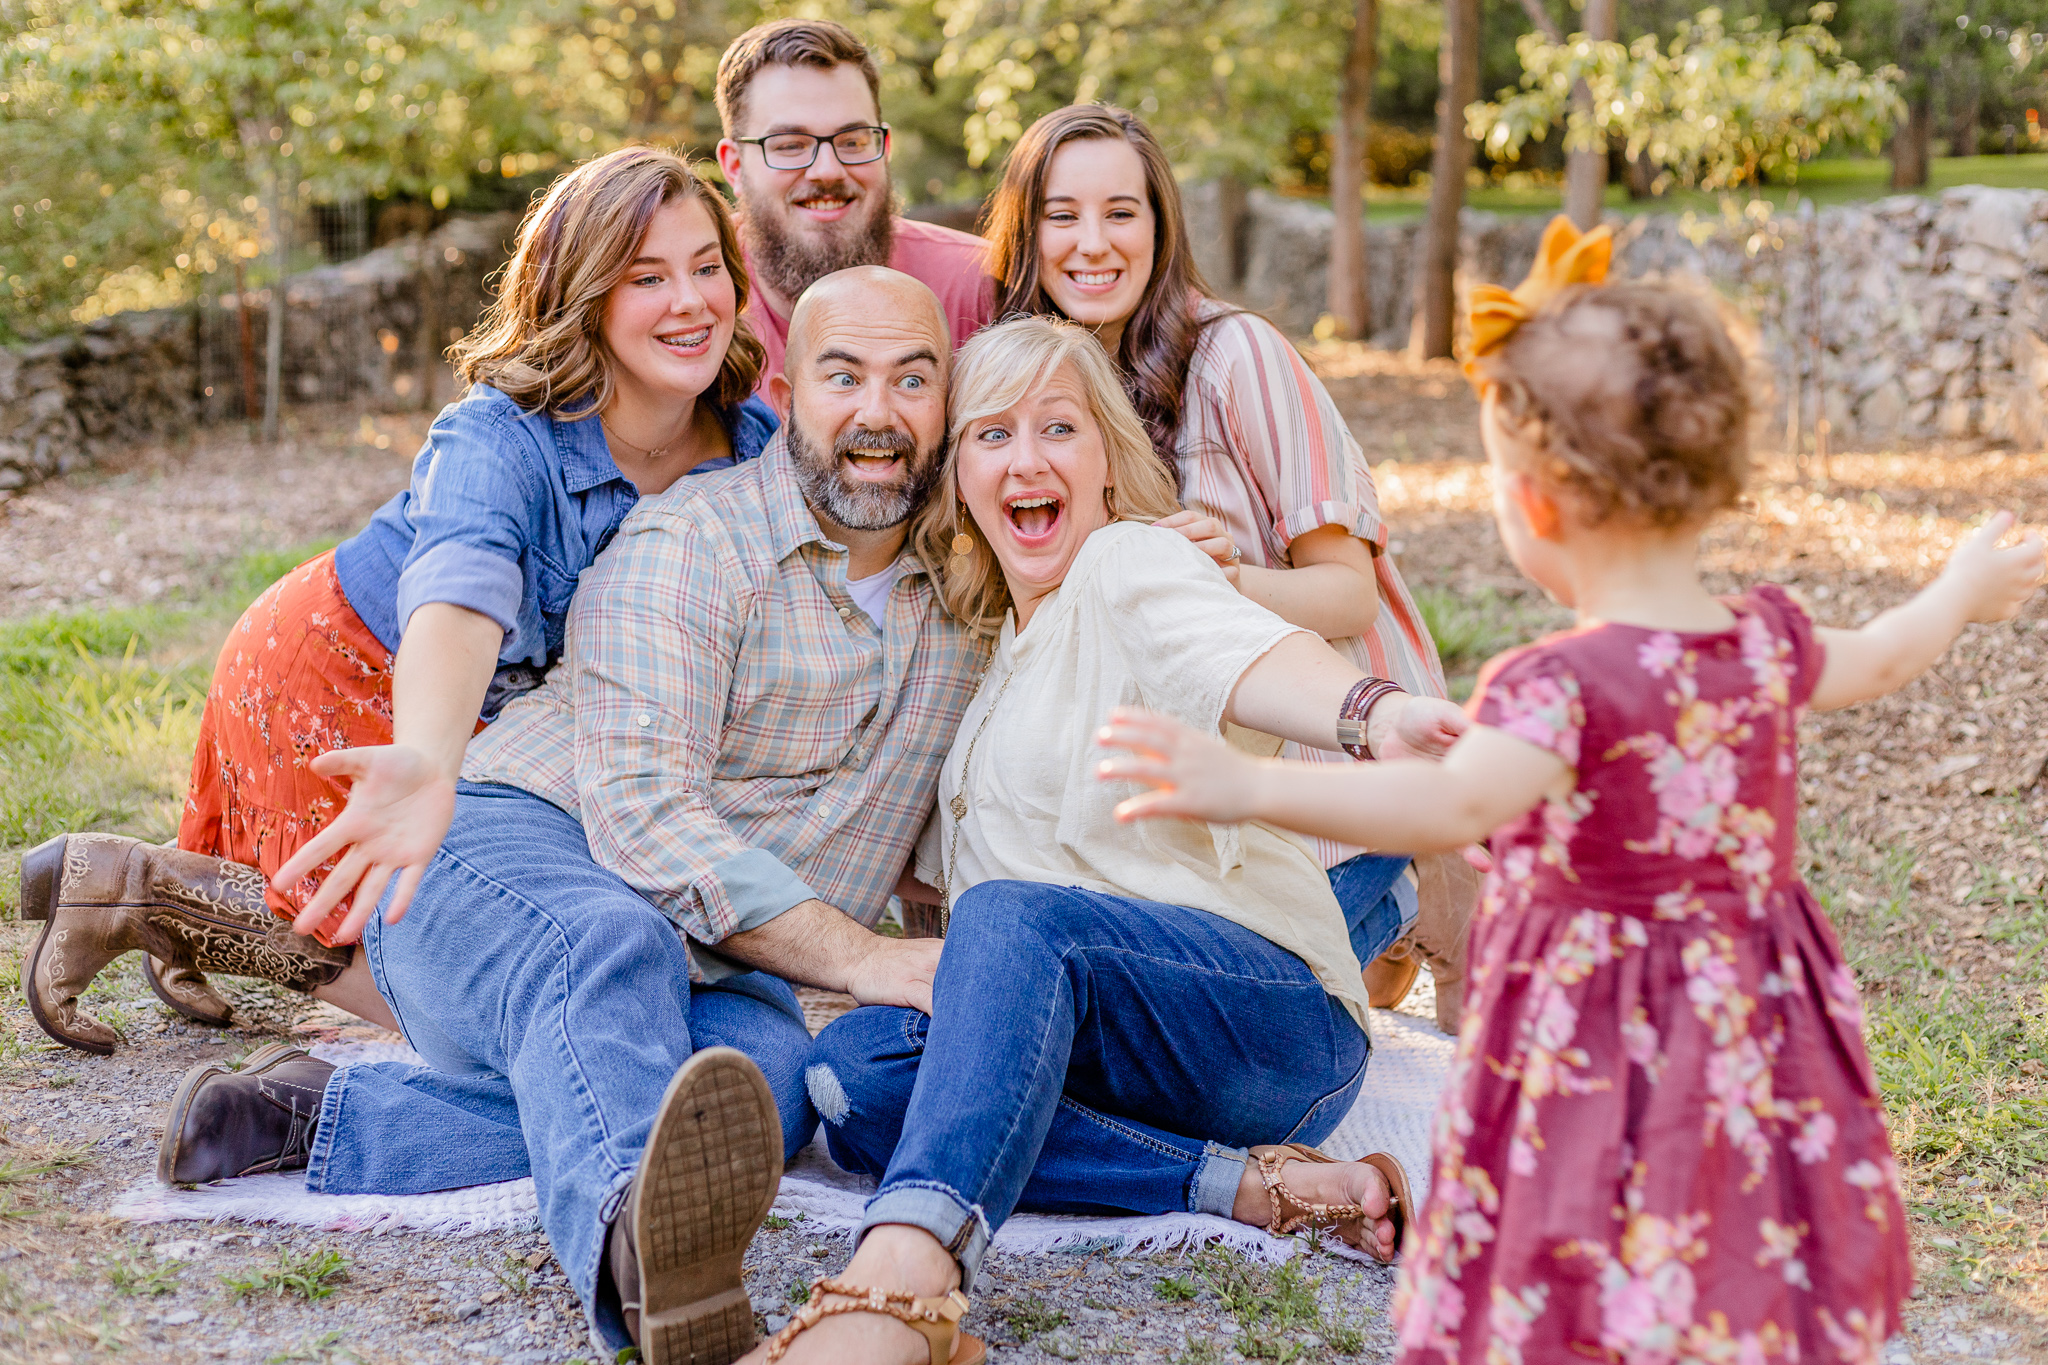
(709, 1176)
(261, 1059)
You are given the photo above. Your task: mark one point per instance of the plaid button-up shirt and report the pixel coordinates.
(734, 733)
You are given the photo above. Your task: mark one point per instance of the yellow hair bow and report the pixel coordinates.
(1565, 257)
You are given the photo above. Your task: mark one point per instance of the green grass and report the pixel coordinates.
(313, 1274)
(1840, 180)
(1276, 1308)
(99, 711)
(1471, 627)
(1029, 1317)
(133, 1276)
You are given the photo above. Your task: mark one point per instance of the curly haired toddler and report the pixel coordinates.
(1661, 1139)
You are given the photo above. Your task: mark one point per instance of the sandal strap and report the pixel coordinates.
(1290, 1213)
(937, 1320)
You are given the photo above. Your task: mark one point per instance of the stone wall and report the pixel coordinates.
(368, 331)
(1931, 314)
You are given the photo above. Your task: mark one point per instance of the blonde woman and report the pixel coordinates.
(612, 363)
(1134, 1019)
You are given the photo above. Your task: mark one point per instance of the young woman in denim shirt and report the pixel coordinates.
(613, 362)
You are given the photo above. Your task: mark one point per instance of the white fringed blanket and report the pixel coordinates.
(1409, 1062)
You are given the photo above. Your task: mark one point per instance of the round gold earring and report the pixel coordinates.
(963, 545)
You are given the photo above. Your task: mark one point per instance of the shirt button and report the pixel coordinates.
(846, 611)
(643, 720)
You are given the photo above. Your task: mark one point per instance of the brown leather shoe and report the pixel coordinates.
(706, 1180)
(101, 895)
(1390, 976)
(186, 990)
(249, 1122)
(1446, 894)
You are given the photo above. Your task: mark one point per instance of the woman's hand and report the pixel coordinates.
(399, 806)
(1208, 536)
(1193, 775)
(1406, 726)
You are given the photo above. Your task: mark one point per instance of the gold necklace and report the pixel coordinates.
(645, 453)
(958, 805)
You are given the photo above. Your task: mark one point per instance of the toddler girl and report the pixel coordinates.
(1661, 1139)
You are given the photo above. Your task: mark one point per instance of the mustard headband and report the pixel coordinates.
(1565, 257)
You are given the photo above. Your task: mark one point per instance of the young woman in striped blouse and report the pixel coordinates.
(1088, 225)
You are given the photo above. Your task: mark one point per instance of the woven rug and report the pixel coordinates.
(1409, 1062)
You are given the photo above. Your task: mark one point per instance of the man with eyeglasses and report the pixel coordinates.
(806, 151)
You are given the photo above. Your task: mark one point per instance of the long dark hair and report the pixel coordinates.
(1161, 335)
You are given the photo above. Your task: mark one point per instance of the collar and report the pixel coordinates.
(791, 523)
(587, 459)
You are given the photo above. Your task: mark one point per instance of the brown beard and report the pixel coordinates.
(789, 265)
(855, 505)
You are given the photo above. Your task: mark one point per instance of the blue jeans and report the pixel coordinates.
(1378, 901)
(553, 1005)
(1086, 1053)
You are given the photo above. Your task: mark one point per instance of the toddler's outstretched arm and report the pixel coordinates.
(1488, 778)
(1981, 583)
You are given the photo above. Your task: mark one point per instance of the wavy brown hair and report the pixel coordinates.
(541, 341)
(1161, 335)
(998, 368)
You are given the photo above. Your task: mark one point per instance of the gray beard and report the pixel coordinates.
(859, 506)
(789, 265)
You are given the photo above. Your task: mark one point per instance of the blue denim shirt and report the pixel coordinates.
(505, 511)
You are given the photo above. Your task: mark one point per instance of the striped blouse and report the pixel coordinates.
(1264, 450)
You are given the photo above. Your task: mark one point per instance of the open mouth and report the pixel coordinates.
(1095, 279)
(874, 456)
(873, 462)
(1034, 515)
(686, 343)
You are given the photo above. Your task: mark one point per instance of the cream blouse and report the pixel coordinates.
(1142, 619)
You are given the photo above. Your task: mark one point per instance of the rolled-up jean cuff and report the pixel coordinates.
(323, 1133)
(1217, 1177)
(959, 1226)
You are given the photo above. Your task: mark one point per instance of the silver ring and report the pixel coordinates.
(1235, 554)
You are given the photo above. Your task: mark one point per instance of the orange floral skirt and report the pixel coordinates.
(299, 675)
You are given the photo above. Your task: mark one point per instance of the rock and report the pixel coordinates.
(1922, 384)
(775, 1322)
(180, 1317)
(180, 1251)
(463, 1312)
(1948, 357)
(1061, 1346)
(1957, 418)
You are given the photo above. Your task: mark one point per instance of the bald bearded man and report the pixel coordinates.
(712, 796)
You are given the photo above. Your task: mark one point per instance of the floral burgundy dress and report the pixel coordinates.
(1662, 1140)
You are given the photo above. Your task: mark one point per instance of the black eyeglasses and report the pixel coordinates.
(796, 151)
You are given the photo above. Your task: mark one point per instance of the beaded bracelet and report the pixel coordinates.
(1356, 711)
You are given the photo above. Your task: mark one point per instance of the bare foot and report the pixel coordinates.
(892, 1257)
(1314, 1182)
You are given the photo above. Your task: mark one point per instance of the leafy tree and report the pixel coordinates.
(1717, 107)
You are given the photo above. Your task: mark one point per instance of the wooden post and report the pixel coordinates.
(1350, 301)
(430, 342)
(1435, 281)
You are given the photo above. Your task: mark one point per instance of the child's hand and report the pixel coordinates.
(1191, 774)
(1996, 583)
(1415, 727)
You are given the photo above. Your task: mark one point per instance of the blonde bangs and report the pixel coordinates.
(998, 368)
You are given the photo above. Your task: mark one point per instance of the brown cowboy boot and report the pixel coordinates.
(101, 895)
(186, 990)
(1446, 894)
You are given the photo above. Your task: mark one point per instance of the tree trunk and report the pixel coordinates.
(1910, 144)
(1458, 86)
(246, 316)
(432, 339)
(1350, 302)
(273, 343)
(1585, 173)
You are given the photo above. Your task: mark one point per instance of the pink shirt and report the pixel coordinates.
(949, 262)
(1264, 450)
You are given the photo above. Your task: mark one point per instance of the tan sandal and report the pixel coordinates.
(937, 1320)
(1292, 1214)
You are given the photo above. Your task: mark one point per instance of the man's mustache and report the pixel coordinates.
(830, 189)
(860, 438)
